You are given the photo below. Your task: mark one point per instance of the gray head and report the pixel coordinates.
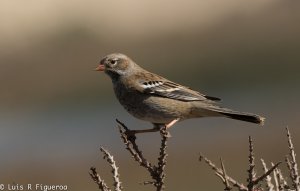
(116, 65)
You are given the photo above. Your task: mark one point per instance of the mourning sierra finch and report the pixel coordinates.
(150, 97)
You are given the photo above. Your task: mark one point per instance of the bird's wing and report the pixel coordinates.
(157, 85)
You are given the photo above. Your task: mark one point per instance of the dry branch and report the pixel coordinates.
(251, 172)
(253, 182)
(132, 147)
(270, 185)
(225, 177)
(156, 172)
(110, 159)
(219, 172)
(98, 180)
(275, 179)
(162, 159)
(292, 163)
(262, 177)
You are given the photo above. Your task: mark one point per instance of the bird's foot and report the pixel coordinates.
(165, 133)
(130, 134)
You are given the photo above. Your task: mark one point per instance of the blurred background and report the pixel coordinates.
(56, 111)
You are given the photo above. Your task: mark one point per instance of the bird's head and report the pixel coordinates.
(116, 65)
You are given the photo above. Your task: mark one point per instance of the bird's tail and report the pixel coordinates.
(206, 110)
(243, 116)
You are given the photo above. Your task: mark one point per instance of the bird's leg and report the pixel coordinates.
(169, 125)
(157, 127)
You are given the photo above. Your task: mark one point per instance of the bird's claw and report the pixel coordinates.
(130, 135)
(166, 134)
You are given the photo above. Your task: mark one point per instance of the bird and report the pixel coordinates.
(153, 98)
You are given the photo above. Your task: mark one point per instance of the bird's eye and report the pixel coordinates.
(113, 62)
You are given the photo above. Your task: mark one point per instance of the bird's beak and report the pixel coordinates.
(100, 68)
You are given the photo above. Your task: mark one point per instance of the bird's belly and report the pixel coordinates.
(154, 109)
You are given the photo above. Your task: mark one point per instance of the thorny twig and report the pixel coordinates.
(282, 184)
(275, 178)
(292, 164)
(251, 172)
(116, 175)
(270, 185)
(131, 146)
(100, 182)
(262, 177)
(224, 177)
(157, 172)
(252, 180)
(162, 159)
(219, 173)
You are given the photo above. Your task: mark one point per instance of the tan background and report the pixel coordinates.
(56, 112)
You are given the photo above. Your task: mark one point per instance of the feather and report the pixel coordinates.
(168, 89)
